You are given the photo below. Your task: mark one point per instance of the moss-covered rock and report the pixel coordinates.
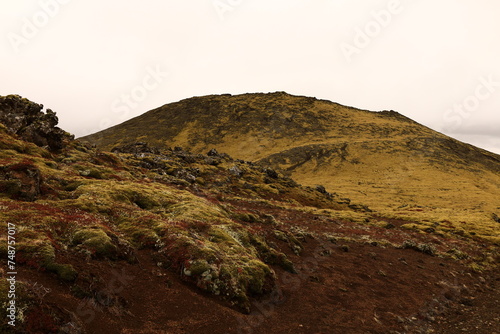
(196, 268)
(140, 234)
(66, 272)
(270, 255)
(97, 241)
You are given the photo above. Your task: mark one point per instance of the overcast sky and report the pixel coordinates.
(98, 63)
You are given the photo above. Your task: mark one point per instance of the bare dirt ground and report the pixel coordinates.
(348, 288)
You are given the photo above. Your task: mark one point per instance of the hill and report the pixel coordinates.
(160, 240)
(382, 159)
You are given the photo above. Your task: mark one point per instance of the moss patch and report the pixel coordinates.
(97, 241)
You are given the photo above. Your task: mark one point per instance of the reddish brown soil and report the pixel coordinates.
(340, 287)
(352, 288)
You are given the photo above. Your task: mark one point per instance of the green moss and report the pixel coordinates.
(457, 254)
(280, 235)
(218, 235)
(144, 202)
(424, 248)
(270, 255)
(221, 260)
(40, 253)
(241, 280)
(193, 208)
(93, 173)
(37, 252)
(97, 241)
(73, 185)
(51, 164)
(269, 219)
(255, 274)
(104, 196)
(199, 267)
(246, 217)
(65, 272)
(139, 235)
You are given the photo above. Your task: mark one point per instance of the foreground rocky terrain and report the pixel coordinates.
(143, 238)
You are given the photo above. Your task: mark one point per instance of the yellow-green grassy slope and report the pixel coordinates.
(383, 159)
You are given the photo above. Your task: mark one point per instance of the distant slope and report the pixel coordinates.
(254, 126)
(382, 159)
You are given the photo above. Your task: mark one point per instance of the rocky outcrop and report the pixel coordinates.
(27, 120)
(21, 181)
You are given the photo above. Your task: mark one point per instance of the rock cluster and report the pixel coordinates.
(27, 120)
(136, 148)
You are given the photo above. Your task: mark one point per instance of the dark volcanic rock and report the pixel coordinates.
(321, 189)
(271, 173)
(27, 120)
(213, 153)
(136, 148)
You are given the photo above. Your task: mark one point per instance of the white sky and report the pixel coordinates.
(437, 62)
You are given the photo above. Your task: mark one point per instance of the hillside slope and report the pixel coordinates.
(146, 240)
(383, 159)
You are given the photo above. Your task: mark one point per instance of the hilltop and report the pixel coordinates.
(145, 238)
(382, 159)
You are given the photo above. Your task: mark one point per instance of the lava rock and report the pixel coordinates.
(236, 171)
(136, 148)
(27, 120)
(213, 153)
(321, 189)
(271, 173)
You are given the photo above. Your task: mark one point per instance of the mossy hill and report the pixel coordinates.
(224, 227)
(381, 159)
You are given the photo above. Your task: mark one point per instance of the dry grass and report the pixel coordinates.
(382, 160)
